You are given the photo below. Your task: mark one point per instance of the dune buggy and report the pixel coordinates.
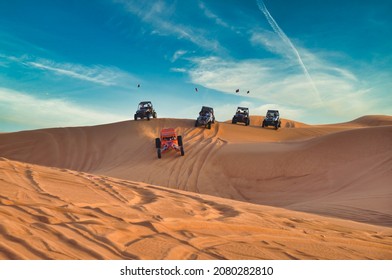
(169, 141)
(206, 117)
(241, 115)
(272, 119)
(145, 110)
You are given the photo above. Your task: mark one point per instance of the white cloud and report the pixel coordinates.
(159, 16)
(209, 14)
(77, 72)
(178, 54)
(184, 32)
(226, 75)
(179, 70)
(290, 48)
(273, 81)
(270, 41)
(26, 111)
(98, 74)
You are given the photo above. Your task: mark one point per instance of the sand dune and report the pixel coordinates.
(374, 120)
(336, 174)
(337, 170)
(51, 213)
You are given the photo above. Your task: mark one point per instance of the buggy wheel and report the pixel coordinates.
(182, 151)
(135, 117)
(234, 121)
(196, 123)
(148, 117)
(248, 122)
(154, 115)
(209, 125)
(179, 140)
(157, 143)
(159, 152)
(276, 126)
(263, 124)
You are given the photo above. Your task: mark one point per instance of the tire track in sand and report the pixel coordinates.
(200, 146)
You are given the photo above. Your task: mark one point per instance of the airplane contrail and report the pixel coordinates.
(288, 42)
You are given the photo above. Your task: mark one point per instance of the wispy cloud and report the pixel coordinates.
(271, 42)
(288, 43)
(272, 81)
(178, 54)
(26, 111)
(159, 16)
(178, 70)
(209, 14)
(98, 74)
(227, 75)
(94, 75)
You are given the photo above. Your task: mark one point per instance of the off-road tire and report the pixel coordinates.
(135, 117)
(209, 125)
(159, 153)
(179, 140)
(234, 121)
(154, 115)
(148, 117)
(196, 123)
(263, 124)
(182, 151)
(157, 143)
(247, 122)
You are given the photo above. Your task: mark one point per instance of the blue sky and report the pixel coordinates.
(72, 63)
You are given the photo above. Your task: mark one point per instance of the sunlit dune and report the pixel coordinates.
(240, 192)
(51, 213)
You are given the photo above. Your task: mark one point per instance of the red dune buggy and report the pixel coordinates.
(169, 141)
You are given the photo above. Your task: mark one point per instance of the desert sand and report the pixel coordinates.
(301, 192)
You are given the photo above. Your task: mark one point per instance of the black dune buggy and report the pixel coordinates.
(241, 116)
(145, 110)
(206, 117)
(272, 118)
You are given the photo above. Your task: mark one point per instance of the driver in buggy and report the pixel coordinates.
(204, 113)
(241, 111)
(148, 107)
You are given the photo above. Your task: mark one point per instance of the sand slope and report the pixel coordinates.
(346, 174)
(52, 213)
(338, 170)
